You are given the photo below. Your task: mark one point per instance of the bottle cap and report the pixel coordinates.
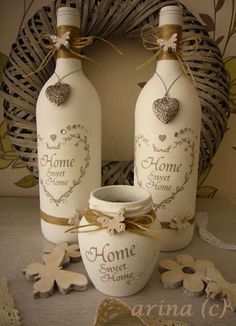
(68, 16)
(171, 15)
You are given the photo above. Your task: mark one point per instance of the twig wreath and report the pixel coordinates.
(106, 18)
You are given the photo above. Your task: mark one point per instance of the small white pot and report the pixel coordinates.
(119, 264)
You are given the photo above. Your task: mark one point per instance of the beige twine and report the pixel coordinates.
(150, 37)
(109, 18)
(138, 224)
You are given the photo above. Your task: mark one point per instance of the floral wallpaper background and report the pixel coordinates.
(219, 19)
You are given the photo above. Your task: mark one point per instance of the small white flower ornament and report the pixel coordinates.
(179, 223)
(74, 218)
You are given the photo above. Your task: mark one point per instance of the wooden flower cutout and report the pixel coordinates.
(49, 275)
(218, 287)
(179, 223)
(75, 218)
(185, 272)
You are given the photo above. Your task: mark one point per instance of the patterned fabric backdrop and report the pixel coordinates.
(219, 18)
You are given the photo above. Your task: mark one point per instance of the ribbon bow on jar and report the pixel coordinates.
(119, 223)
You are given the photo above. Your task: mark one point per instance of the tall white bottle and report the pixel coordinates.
(69, 136)
(167, 136)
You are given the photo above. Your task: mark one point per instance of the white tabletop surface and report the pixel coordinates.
(21, 242)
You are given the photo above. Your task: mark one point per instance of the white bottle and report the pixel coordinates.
(69, 138)
(167, 152)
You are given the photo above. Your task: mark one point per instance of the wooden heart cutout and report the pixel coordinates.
(58, 93)
(166, 108)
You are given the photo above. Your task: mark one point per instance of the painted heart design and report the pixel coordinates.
(166, 108)
(58, 93)
(53, 137)
(60, 181)
(188, 146)
(91, 254)
(162, 137)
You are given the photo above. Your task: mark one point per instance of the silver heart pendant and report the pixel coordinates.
(166, 108)
(58, 93)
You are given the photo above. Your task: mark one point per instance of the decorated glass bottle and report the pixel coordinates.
(167, 137)
(69, 135)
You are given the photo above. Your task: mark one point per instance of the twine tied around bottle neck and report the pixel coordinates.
(119, 223)
(167, 43)
(68, 44)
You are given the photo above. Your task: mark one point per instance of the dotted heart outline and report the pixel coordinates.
(83, 169)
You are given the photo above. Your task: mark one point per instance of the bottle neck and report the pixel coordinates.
(166, 32)
(66, 60)
(168, 70)
(67, 65)
(167, 66)
(72, 52)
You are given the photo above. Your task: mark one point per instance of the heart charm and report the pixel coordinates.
(166, 108)
(58, 93)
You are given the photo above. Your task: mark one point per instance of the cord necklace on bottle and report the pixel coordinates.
(166, 108)
(59, 92)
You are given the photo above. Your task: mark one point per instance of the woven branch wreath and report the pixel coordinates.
(105, 18)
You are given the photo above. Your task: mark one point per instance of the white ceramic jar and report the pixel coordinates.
(119, 264)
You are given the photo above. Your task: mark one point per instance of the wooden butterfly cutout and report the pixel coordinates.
(61, 41)
(113, 224)
(72, 252)
(168, 45)
(218, 287)
(50, 274)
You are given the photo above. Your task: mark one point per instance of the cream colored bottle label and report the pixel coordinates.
(165, 164)
(63, 159)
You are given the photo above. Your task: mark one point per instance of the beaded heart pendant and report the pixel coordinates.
(166, 108)
(58, 93)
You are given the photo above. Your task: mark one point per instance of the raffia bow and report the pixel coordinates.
(152, 42)
(138, 224)
(71, 42)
